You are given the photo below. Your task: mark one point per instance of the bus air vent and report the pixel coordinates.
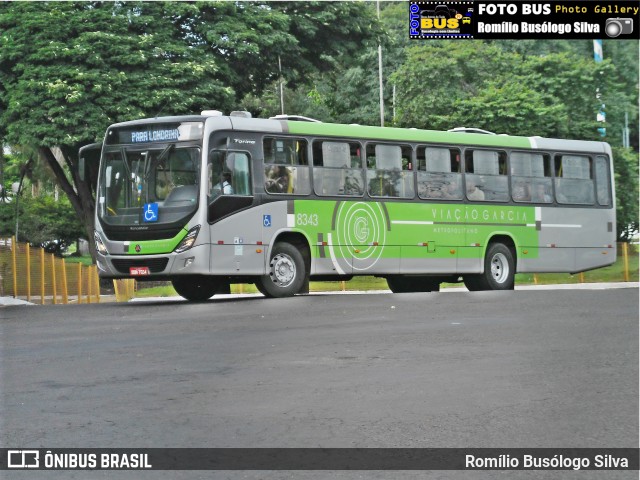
(240, 113)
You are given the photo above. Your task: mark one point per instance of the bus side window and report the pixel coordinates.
(439, 176)
(486, 175)
(389, 170)
(337, 168)
(530, 177)
(286, 166)
(574, 183)
(603, 181)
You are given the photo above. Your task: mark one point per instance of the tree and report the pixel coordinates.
(71, 69)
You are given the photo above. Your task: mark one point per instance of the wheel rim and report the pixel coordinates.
(499, 268)
(283, 270)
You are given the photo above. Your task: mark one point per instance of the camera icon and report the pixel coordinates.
(618, 26)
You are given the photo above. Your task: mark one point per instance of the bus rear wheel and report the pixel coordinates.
(409, 284)
(285, 274)
(196, 288)
(499, 270)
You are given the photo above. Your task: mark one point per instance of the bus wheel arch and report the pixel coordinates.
(499, 266)
(289, 266)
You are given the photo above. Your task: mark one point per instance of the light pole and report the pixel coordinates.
(380, 74)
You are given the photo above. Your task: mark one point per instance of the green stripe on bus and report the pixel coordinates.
(374, 226)
(406, 135)
(155, 247)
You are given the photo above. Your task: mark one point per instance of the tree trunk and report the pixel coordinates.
(78, 192)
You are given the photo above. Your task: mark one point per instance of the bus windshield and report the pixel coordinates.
(152, 185)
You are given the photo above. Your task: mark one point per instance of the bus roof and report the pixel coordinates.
(382, 133)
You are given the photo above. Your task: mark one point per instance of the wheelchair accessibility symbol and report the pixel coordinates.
(266, 220)
(150, 212)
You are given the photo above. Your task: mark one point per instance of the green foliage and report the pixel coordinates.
(43, 221)
(74, 68)
(625, 164)
(462, 85)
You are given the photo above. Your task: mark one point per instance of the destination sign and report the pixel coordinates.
(148, 133)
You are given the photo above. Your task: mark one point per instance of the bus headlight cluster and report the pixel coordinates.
(188, 241)
(100, 246)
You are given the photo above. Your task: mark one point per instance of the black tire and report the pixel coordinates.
(499, 270)
(286, 272)
(196, 288)
(260, 288)
(409, 284)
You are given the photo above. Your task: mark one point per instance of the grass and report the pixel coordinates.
(85, 260)
(613, 273)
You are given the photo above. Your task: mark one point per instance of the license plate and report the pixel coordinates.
(137, 271)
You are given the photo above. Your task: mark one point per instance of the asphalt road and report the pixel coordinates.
(487, 369)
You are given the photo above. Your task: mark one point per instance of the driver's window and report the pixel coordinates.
(228, 174)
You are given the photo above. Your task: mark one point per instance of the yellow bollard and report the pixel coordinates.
(535, 279)
(581, 277)
(115, 288)
(89, 292)
(79, 283)
(65, 292)
(625, 256)
(53, 279)
(42, 275)
(97, 283)
(28, 272)
(14, 260)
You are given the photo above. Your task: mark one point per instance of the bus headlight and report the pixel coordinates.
(188, 241)
(100, 247)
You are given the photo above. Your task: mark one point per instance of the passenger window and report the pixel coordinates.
(286, 166)
(486, 176)
(573, 182)
(337, 168)
(439, 176)
(531, 177)
(389, 171)
(603, 181)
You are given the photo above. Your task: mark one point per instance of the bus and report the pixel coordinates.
(206, 201)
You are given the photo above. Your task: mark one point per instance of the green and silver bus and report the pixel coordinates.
(211, 200)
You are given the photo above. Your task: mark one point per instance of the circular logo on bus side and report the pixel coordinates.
(138, 248)
(361, 232)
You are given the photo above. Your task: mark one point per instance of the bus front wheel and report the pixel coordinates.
(196, 288)
(499, 270)
(285, 274)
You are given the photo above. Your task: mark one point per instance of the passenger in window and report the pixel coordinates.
(451, 190)
(521, 192)
(540, 194)
(473, 192)
(277, 180)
